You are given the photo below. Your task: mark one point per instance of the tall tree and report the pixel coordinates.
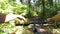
(29, 7)
(43, 9)
(20, 0)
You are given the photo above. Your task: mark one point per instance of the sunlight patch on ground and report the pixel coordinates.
(42, 30)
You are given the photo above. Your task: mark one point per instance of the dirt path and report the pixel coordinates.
(43, 30)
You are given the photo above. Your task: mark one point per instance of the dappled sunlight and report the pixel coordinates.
(56, 31)
(19, 30)
(15, 30)
(42, 30)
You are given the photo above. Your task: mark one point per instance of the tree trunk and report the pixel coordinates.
(43, 9)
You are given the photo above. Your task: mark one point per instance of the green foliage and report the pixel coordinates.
(31, 13)
(49, 12)
(38, 3)
(12, 7)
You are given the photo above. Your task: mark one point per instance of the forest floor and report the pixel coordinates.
(43, 30)
(46, 29)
